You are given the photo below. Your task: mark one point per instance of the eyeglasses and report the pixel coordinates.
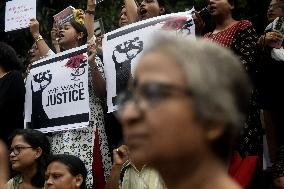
(276, 6)
(151, 93)
(17, 149)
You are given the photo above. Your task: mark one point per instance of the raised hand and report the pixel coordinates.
(120, 155)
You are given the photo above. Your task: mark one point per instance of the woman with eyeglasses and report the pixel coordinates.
(29, 152)
(184, 123)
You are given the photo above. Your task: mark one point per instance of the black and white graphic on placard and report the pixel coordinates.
(99, 27)
(57, 96)
(39, 82)
(122, 56)
(123, 47)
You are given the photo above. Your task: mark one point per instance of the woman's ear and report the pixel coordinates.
(38, 152)
(214, 130)
(80, 35)
(79, 180)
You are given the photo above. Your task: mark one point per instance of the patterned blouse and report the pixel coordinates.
(241, 38)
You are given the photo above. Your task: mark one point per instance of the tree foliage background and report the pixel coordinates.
(108, 10)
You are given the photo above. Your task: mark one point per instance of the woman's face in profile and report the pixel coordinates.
(58, 176)
(123, 20)
(22, 155)
(275, 10)
(34, 53)
(68, 36)
(160, 125)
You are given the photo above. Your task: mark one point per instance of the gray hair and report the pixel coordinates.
(215, 76)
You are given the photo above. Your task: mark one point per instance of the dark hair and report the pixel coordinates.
(8, 58)
(36, 139)
(80, 28)
(75, 165)
(232, 2)
(162, 3)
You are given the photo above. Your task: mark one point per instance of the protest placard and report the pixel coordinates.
(57, 96)
(99, 27)
(63, 16)
(123, 47)
(18, 14)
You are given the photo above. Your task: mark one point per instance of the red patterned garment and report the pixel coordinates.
(225, 37)
(241, 38)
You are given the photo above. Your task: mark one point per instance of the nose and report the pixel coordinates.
(130, 114)
(123, 16)
(61, 30)
(11, 154)
(48, 181)
(270, 8)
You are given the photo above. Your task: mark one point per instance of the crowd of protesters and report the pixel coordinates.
(193, 115)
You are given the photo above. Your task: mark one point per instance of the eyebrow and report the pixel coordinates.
(67, 24)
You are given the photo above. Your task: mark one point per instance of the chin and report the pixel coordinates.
(16, 167)
(140, 156)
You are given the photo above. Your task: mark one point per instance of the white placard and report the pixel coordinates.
(123, 47)
(19, 13)
(57, 96)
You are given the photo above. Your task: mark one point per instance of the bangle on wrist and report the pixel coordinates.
(38, 38)
(92, 12)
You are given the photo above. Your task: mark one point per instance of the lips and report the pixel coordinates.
(212, 8)
(13, 161)
(61, 35)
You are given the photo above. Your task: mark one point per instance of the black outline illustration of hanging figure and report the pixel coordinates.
(77, 63)
(40, 81)
(180, 24)
(122, 56)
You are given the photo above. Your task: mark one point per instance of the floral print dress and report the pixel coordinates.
(80, 142)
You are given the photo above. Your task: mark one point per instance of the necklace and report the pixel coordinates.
(4, 74)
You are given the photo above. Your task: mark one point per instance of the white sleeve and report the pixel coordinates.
(277, 54)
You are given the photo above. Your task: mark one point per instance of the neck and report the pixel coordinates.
(70, 46)
(207, 173)
(138, 165)
(223, 22)
(28, 173)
